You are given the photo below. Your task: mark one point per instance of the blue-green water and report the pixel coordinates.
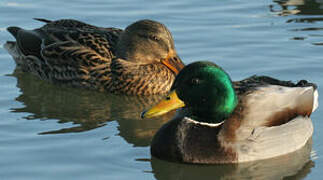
(54, 132)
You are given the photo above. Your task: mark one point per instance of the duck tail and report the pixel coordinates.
(14, 30)
(304, 83)
(42, 20)
(316, 100)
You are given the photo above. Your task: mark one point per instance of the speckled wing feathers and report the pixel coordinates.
(70, 61)
(68, 52)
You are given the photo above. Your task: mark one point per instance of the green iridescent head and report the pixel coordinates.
(205, 90)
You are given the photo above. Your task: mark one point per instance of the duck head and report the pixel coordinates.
(204, 90)
(149, 42)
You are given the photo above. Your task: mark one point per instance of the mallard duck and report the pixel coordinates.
(139, 60)
(224, 122)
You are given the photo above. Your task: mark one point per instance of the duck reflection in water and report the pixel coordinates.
(295, 165)
(303, 12)
(298, 7)
(86, 109)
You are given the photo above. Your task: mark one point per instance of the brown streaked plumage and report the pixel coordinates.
(139, 60)
(231, 122)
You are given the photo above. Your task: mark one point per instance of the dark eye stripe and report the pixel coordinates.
(155, 38)
(160, 41)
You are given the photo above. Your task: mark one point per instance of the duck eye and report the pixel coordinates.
(155, 38)
(195, 81)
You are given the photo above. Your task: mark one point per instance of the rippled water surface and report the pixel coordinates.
(55, 132)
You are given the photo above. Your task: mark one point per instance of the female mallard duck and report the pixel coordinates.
(139, 60)
(224, 122)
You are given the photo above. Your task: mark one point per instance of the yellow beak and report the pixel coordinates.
(169, 103)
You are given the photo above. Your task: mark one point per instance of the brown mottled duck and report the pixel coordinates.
(139, 60)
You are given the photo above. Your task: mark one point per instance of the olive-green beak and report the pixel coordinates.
(169, 103)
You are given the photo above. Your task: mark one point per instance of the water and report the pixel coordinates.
(54, 132)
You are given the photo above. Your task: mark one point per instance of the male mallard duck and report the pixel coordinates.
(224, 122)
(138, 60)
